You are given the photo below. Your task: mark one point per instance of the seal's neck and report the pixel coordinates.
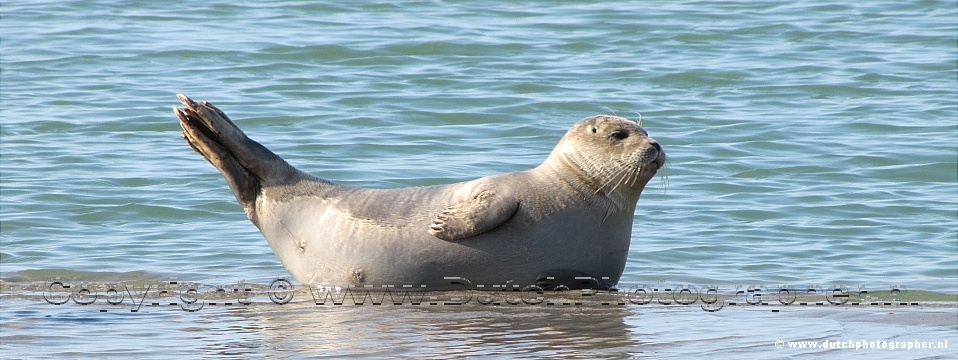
(595, 184)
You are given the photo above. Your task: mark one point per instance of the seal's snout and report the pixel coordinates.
(655, 152)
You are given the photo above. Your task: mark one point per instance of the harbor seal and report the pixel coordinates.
(566, 223)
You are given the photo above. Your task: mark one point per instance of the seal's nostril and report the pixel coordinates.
(657, 146)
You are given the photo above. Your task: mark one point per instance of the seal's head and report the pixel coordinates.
(609, 155)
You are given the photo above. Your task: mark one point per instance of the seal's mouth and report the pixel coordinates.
(659, 162)
(657, 155)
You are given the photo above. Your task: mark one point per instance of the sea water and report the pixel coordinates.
(812, 146)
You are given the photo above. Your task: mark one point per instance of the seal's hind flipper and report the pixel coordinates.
(218, 127)
(474, 216)
(246, 165)
(244, 185)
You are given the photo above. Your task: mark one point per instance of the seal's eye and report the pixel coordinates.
(594, 130)
(620, 134)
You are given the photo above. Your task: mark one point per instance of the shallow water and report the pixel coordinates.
(810, 144)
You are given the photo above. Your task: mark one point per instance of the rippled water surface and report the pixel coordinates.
(810, 144)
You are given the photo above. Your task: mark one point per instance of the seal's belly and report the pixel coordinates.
(380, 237)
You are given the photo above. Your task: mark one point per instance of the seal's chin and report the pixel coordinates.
(659, 161)
(650, 162)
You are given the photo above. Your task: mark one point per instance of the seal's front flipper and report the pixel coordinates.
(474, 216)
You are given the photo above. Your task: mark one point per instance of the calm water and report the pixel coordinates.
(810, 144)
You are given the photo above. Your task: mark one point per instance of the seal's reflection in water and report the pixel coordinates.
(431, 330)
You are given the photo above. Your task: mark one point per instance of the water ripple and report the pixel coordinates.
(809, 143)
